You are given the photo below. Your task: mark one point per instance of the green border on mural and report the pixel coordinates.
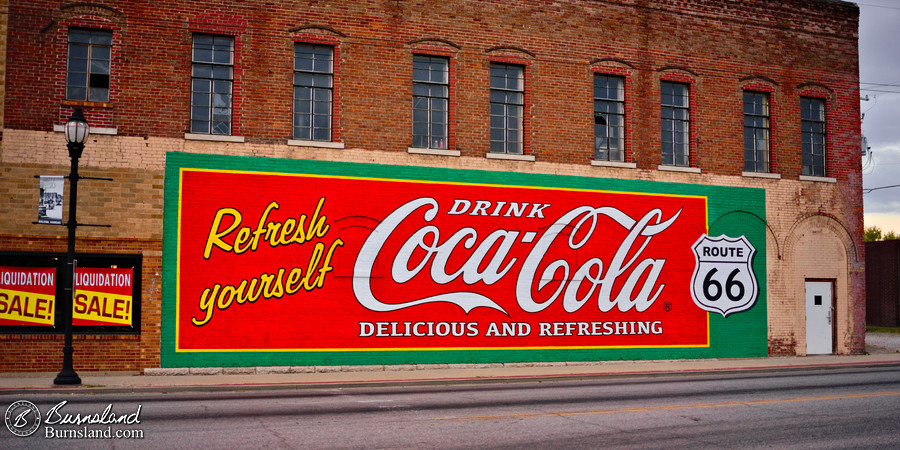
(733, 211)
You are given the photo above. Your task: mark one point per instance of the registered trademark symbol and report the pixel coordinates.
(667, 306)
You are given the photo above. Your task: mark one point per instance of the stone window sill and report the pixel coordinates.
(818, 179)
(773, 176)
(432, 151)
(510, 157)
(319, 144)
(679, 169)
(212, 137)
(623, 165)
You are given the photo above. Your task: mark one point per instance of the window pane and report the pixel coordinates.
(322, 108)
(321, 121)
(101, 37)
(201, 71)
(199, 126)
(79, 35)
(78, 51)
(303, 107)
(99, 80)
(302, 93)
(322, 81)
(420, 115)
(420, 103)
(222, 87)
(420, 74)
(78, 65)
(202, 53)
(322, 134)
(221, 128)
(221, 100)
(221, 72)
(99, 52)
(100, 67)
(200, 113)
(76, 93)
(77, 79)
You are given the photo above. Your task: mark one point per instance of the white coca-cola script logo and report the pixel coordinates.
(579, 224)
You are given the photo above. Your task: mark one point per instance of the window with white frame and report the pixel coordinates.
(675, 123)
(313, 91)
(88, 65)
(212, 75)
(507, 108)
(756, 131)
(431, 91)
(609, 118)
(812, 136)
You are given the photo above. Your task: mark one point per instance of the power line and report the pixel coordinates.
(896, 83)
(866, 191)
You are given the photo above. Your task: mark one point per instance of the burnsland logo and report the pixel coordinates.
(639, 291)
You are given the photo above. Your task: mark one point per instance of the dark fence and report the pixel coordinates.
(883, 283)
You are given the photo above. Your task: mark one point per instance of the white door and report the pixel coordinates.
(819, 318)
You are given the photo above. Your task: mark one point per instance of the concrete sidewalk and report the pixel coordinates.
(238, 379)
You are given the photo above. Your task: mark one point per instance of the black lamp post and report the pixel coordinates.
(77, 131)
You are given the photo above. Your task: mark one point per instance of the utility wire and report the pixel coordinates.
(866, 191)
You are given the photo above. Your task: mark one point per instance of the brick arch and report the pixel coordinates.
(677, 69)
(508, 50)
(757, 78)
(770, 232)
(825, 221)
(612, 62)
(819, 246)
(432, 41)
(89, 9)
(316, 29)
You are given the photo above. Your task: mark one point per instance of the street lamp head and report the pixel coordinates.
(77, 129)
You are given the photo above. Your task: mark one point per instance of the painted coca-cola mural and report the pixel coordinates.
(287, 262)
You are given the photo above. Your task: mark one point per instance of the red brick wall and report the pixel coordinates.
(43, 352)
(720, 42)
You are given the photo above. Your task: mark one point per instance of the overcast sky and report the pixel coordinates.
(879, 59)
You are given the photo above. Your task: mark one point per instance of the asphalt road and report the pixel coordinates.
(858, 407)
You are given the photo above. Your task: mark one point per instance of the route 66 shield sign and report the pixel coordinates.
(723, 280)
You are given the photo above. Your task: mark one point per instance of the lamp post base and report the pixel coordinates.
(67, 375)
(67, 378)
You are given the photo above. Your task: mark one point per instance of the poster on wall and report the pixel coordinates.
(27, 296)
(103, 296)
(345, 263)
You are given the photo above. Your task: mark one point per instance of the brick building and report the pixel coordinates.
(743, 114)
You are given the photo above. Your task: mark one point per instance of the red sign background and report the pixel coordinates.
(330, 306)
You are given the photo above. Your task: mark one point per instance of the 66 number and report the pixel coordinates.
(712, 289)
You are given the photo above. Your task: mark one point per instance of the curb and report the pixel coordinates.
(440, 381)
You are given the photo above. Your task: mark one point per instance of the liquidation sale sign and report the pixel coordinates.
(27, 296)
(344, 263)
(103, 296)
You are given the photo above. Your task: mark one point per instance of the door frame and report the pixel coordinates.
(834, 310)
